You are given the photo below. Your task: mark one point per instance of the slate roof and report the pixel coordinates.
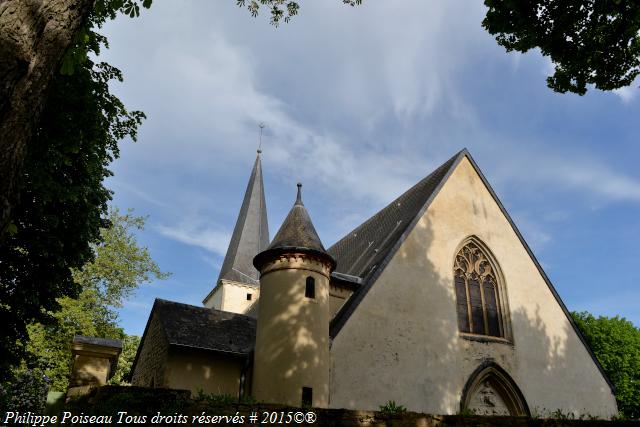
(297, 233)
(250, 234)
(364, 248)
(205, 328)
(105, 342)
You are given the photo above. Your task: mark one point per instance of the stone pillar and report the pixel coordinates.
(94, 363)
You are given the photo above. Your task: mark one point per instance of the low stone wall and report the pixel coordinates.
(144, 406)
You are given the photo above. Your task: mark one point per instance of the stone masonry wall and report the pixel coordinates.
(152, 361)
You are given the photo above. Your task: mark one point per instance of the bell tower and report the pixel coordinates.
(237, 288)
(291, 359)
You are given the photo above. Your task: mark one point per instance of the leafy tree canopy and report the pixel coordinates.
(616, 343)
(589, 42)
(130, 345)
(119, 267)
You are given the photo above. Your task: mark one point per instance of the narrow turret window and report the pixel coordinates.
(248, 297)
(310, 288)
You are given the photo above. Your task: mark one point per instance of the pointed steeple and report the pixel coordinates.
(251, 233)
(297, 234)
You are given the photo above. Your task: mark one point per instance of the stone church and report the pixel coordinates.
(435, 302)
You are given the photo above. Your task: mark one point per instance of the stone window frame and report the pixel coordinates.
(504, 318)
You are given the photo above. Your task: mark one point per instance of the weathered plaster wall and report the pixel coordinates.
(402, 342)
(292, 337)
(214, 299)
(233, 297)
(152, 361)
(337, 297)
(197, 370)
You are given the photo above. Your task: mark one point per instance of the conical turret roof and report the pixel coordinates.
(251, 233)
(297, 234)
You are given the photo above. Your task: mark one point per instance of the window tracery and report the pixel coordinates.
(477, 293)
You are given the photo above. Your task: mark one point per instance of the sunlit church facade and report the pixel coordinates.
(435, 302)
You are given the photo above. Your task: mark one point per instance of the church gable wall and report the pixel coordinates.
(402, 341)
(152, 360)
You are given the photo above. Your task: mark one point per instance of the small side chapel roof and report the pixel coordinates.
(201, 328)
(206, 328)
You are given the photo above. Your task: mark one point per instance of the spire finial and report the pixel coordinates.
(261, 126)
(299, 197)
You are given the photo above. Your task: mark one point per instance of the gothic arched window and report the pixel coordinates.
(477, 292)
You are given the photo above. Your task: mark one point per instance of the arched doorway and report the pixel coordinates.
(491, 391)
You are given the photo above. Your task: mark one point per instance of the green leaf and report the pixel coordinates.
(12, 229)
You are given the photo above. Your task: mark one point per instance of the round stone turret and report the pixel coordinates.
(291, 359)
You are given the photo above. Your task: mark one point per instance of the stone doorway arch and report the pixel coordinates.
(491, 391)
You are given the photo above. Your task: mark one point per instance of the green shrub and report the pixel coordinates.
(392, 408)
(25, 392)
(215, 399)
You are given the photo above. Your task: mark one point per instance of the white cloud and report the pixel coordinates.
(627, 93)
(600, 180)
(205, 89)
(142, 195)
(548, 67)
(573, 172)
(213, 240)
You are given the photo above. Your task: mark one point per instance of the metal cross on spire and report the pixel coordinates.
(261, 125)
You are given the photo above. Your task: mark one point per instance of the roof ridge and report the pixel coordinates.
(199, 307)
(439, 176)
(388, 224)
(390, 204)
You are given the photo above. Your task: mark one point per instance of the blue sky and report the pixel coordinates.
(360, 103)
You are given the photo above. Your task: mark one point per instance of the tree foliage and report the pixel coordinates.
(616, 343)
(120, 266)
(26, 393)
(130, 345)
(281, 10)
(63, 202)
(589, 42)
